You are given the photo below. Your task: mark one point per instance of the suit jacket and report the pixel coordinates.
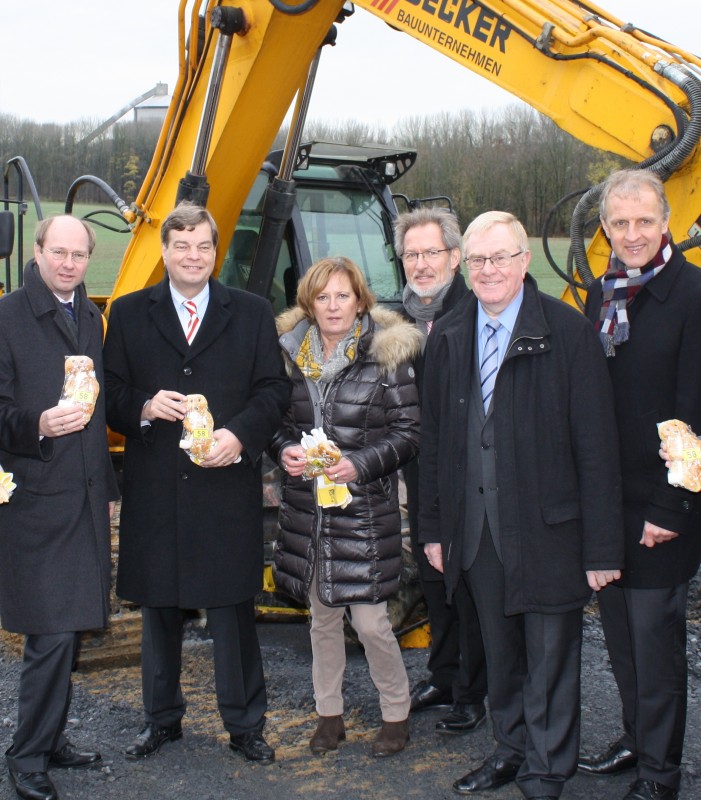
(54, 532)
(556, 453)
(189, 536)
(656, 376)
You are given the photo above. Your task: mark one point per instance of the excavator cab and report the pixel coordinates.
(343, 206)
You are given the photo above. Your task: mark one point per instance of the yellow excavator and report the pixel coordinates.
(245, 63)
(605, 82)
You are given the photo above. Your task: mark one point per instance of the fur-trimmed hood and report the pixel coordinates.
(394, 341)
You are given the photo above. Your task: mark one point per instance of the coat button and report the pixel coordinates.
(187, 371)
(481, 490)
(184, 476)
(90, 482)
(686, 505)
(485, 445)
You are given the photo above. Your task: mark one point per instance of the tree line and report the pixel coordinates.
(58, 154)
(512, 158)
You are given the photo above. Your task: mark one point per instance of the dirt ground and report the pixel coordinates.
(106, 713)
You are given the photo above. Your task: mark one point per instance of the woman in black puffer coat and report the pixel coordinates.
(350, 363)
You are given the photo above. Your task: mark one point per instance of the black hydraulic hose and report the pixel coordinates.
(116, 200)
(691, 87)
(92, 216)
(663, 164)
(689, 244)
(286, 8)
(566, 276)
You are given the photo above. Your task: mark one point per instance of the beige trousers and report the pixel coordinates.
(384, 657)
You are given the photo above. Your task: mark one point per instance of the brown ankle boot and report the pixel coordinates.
(329, 732)
(391, 739)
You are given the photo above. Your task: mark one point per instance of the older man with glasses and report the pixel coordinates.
(520, 501)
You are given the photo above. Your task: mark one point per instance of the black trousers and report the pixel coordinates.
(645, 632)
(533, 671)
(45, 691)
(238, 667)
(456, 660)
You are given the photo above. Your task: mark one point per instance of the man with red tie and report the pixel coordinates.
(191, 535)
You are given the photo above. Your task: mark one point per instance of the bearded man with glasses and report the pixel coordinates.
(430, 242)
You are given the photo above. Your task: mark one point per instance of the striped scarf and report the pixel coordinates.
(620, 286)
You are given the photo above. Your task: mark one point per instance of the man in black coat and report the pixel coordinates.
(519, 502)
(647, 308)
(191, 534)
(430, 242)
(54, 531)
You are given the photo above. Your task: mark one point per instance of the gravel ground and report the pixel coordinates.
(106, 713)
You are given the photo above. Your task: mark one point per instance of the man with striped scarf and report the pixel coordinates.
(647, 309)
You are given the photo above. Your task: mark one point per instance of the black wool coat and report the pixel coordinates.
(457, 292)
(54, 532)
(656, 376)
(192, 537)
(371, 412)
(556, 445)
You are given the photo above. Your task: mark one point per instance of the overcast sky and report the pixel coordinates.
(65, 60)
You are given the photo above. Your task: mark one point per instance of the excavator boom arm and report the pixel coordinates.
(606, 83)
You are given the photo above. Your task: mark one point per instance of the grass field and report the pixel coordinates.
(111, 245)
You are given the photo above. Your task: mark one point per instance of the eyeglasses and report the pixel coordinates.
(61, 254)
(430, 256)
(500, 261)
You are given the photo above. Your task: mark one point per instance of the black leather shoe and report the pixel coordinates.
(32, 785)
(616, 759)
(151, 738)
(69, 756)
(492, 774)
(650, 790)
(253, 746)
(462, 718)
(426, 695)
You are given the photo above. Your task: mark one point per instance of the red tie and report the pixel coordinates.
(193, 322)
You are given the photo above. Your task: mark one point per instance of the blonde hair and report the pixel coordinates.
(489, 219)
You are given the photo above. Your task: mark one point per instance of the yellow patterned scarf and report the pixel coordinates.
(310, 358)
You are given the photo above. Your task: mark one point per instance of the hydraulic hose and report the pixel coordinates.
(120, 205)
(663, 164)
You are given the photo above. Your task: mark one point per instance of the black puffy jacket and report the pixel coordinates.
(371, 412)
